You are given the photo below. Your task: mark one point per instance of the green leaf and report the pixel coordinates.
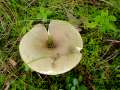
(115, 3)
(75, 81)
(2, 79)
(44, 13)
(83, 87)
(118, 75)
(80, 78)
(73, 88)
(103, 21)
(91, 25)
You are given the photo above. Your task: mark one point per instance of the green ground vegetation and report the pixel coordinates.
(99, 25)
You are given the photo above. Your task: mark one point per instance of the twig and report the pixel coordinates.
(113, 55)
(109, 40)
(107, 2)
(31, 3)
(115, 43)
(6, 85)
(103, 56)
(108, 56)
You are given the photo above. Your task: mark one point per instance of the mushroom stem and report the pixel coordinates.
(50, 42)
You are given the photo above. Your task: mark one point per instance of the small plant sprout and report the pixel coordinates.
(51, 52)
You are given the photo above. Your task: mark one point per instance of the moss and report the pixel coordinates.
(17, 16)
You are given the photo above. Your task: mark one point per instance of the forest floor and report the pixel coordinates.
(99, 25)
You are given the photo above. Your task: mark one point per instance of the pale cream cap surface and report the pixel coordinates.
(52, 61)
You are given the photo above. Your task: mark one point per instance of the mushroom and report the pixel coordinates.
(51, 52)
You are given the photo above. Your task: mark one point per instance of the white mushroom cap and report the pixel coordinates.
(52, 61)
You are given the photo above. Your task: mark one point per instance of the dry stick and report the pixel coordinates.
(31, 3)
(87, 74)
(106, 52)
(113, 44)
(107, 2)
(113, 55)
(113, 41)
(6, 85)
